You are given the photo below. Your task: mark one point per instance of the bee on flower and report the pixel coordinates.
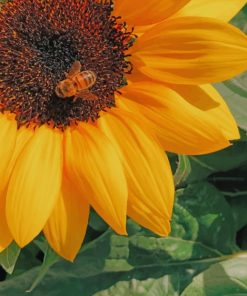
(137, 84)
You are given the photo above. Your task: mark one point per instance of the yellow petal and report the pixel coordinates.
(10, 147)
(144, 215)
(34, 185)
(220, 9)
(66, 227)
(93, 164)
(8, 131)
(180, 127)
(23, 135)
(153, 11)
(5, 237)
(191, 50)
(140, 30)
(147, 170)
(207, 98)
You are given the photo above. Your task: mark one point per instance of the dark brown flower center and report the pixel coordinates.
(39, 42)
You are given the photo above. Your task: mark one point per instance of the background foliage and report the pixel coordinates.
(205, 254)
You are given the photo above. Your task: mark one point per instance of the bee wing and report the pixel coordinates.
(75, 69)
(85, 94)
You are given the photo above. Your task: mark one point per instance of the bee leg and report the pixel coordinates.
(82, 93)
(87, 95)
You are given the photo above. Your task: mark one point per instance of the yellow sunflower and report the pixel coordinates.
(145, 69)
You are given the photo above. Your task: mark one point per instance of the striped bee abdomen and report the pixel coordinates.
(85, 79)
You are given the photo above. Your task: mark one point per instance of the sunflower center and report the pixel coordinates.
(40, 40)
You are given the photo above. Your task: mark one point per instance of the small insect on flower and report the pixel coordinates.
(77, 84)
(135, 99)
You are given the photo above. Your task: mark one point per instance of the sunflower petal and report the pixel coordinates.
(22, 137)
(191, 50)
(147, 170)
(220, 9)
(5, 237)
(143, 215)
(137, 14)
(93, 164)
(34, 185)
(66, 227)
(207, 98)
(8, 132)
(16, 141)
(180, 127)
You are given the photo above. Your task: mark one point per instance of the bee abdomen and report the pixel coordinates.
(86, 79)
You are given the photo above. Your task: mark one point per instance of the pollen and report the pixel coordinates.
(41, 39)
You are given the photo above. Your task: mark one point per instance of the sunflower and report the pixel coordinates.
(62, 154)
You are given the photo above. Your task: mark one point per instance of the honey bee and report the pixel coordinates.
(77, 84)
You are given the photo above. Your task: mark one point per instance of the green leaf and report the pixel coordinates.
(50, 259)
(41, 243)
(243, 241)
(213, 214)
(243, 135)
(184, 225)
(225, 278)
(9, 257)
(222, 161)
(183, 170)
(167, 285)
(27, 259)
(239, 208)
(112, 258)
(240, 20)
(202, 229)
(169, 252)
(96, 222)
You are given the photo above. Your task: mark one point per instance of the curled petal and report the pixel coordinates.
(208, 99)
(180, 127)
